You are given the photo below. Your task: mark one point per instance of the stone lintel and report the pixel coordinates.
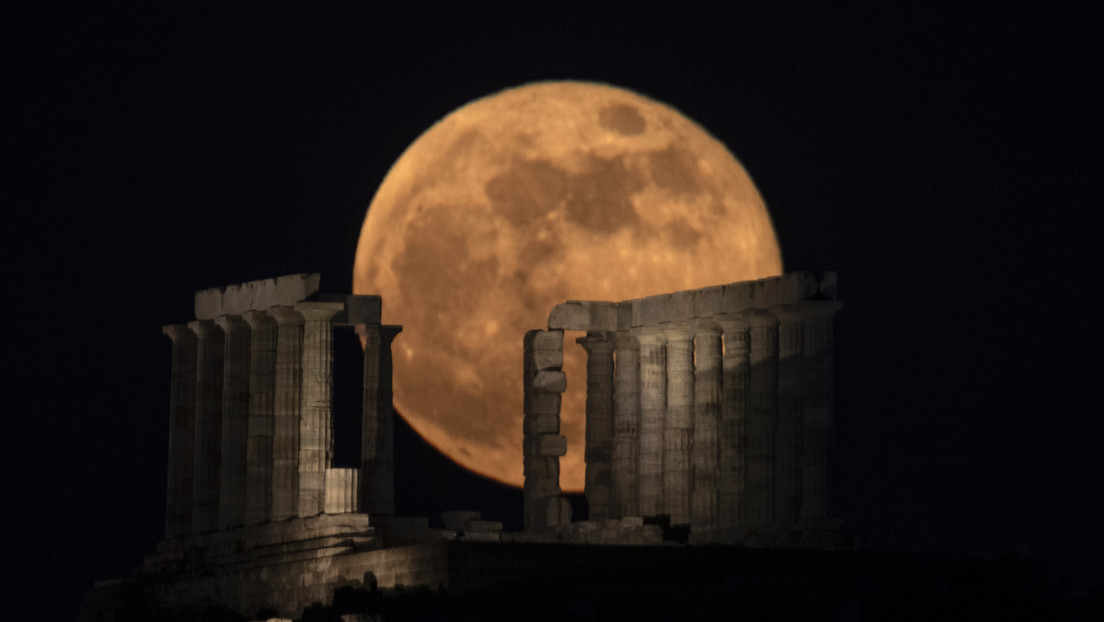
(361, 310)
(586, 315)
(237, 299)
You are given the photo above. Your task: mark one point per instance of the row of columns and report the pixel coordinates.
(720, 423)
(251, 430)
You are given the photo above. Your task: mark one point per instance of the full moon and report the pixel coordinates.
(521, 200)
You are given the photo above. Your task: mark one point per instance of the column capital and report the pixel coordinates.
(706, 328)
(654, 335)
(759, 318)
(388, 332)
(730, 322)
(314, 310)
(178, 332)
(259, 319)
(596, 341)
(232, 323)
(204, 328)
(623, 339)
(678, 331)
(286, 316)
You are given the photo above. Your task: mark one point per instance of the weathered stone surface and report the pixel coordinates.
(548, 381)
(584, 315)
(262, 294)
(551, 445)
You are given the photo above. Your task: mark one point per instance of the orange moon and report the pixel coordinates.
(524, 199)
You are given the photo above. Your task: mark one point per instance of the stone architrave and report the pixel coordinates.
(316, 410)
(286, 412)
(182, 415)
(707, 411)
(653, 406)
(544, 381)
(762, 414)
(817, 407)
(678, 423)
(235, 420)
(208, 430)
(732, 431)
(787, 430)
(377, 454)
(262, 398)
(599, 423)
(626, 424)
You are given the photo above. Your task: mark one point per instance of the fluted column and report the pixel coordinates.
(182, 414)
(377, 458)
(626, 425)
(732, 444)
(262, 398)
(787, 430)
(208, 431)
(817, 378)
(235, 419)
(653, 405)
(286, 412)
(707, 410)
(678, 423)
(762, 412)
(599, 423)
(316, 411)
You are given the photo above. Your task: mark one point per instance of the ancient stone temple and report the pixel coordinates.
(256, 515)
(710, 407)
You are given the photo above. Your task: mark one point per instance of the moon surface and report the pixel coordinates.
(521, 200)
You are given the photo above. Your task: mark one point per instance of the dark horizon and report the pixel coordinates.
(940, 162)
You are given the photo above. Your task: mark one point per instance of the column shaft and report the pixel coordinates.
(543, 381)
(182, 413)
(626, 426)
(377, 459)
(653, 404)
(707, 407)
(678, 423)
(762, 413)
(262, 397)
(599, 423)
(235, 420)
(208, 432)
(286, 412)
(818, 405)
(316, 414)
(732, 446)
(787, 431)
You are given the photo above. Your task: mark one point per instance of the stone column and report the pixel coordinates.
(262, 398)
(599, 423)
(626, 425)
(316, 411)
(816, 414)
(653, 405)
(732, 444)
(707, 411)
(542, 446)
(762, 413)
(286, 412)
(208, 430)
(787, 430)
(235, 419)
(182, 414)
(678, 423)
(377, 454)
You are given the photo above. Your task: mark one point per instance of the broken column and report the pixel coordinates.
(544, 381)
(762, 412)
(286, 412)
(816, 416)
(787, 430)
(316, 409)
(208, 429)
(182, 412)
(626, 422)
(732, 430)
(235, 420)
(262, 397)
(707, 407)
(653, 406)
(599, 423)
(678, 422)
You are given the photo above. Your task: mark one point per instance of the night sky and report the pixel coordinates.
(942, 163)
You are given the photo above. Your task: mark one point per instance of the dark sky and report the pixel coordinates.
(942, 162)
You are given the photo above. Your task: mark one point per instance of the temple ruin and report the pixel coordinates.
(710, 407)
